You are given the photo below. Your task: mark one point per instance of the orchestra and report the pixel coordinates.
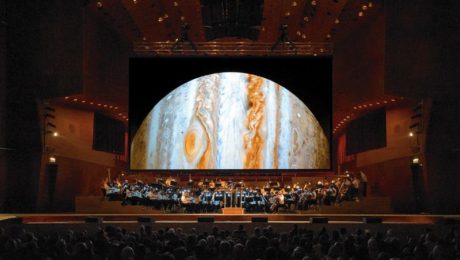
(213, 195)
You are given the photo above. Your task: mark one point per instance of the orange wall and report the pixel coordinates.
(399, 144)
(358, 77)
(75, 140)
(388, 169)
(80, 169)
(358, 66)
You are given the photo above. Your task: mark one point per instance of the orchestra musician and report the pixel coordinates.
(207, 199)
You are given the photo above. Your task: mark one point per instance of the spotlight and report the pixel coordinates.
(411, 134)
(55, 134)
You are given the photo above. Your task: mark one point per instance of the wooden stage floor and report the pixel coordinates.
(223, 218)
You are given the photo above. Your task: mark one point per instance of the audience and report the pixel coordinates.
(113, 243)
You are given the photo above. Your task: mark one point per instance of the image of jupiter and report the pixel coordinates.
(230, 120)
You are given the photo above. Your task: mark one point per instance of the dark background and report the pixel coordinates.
(108, 134)
(151, 79)
(367, 132)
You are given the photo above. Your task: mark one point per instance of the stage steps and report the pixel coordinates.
(368, 205)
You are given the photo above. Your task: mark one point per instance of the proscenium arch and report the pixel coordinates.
(230, 120)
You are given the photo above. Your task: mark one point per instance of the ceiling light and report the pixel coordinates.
(364, 7)
(176, 3)
(294, 3)
(306, 19)
(160, 19)
(313, 2)
(360, 14)
(337, 21)
(370, 4)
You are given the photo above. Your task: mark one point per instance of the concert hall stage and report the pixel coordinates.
(179, 218)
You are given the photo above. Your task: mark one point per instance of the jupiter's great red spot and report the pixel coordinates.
(190, 144)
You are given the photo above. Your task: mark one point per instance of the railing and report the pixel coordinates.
(233, 48)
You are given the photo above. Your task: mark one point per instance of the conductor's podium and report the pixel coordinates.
(233, 211)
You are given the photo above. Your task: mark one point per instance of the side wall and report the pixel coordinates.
(81, 170)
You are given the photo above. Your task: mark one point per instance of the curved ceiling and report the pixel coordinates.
(256, 20)
(253, 21)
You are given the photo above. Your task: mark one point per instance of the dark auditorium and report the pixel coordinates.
(319, 129)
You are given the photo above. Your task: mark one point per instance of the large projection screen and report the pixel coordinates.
(221, 114)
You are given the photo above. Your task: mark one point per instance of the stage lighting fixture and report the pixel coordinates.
(183, 38)
(47, 115)
(51, 109)
(259, 220)
(283, 38)
(318, 220)
(205, 220)
(372, 220)
(95, 220)
(144, 220)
